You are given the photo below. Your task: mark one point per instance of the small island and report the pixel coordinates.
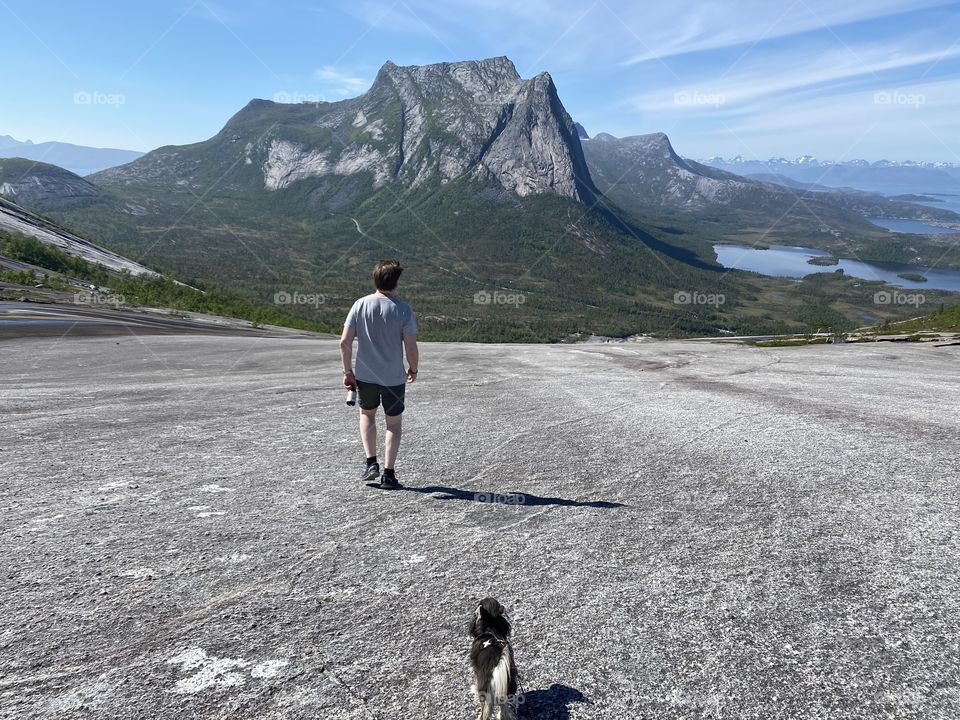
(823, 260)
(911, 197)
(912, 276)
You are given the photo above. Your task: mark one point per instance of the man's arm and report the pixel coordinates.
(413, 356)
(346, 355)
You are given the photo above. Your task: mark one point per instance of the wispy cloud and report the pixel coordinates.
(619, 32)
(906, 122)
(829, 71)
(699, 26)
(340, 82)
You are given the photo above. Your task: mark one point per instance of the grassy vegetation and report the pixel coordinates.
(791, 341)
(945, 319)
(153, 291)
(926, 328)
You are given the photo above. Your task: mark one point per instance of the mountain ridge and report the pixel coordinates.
(79, 159)
(654, 150)
(645, 175)
(416, 125)
(34, 183)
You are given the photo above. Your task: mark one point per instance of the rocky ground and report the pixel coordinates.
(681, 530)
(54, 316)
(15, 219)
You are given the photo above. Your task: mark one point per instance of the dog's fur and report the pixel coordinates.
(491, 655)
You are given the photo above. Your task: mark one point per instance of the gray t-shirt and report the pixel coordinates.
(380, 323)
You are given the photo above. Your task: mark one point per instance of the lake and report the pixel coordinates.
(786, 261)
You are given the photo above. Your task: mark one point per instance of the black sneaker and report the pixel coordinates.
(371, 473)
(390, 482)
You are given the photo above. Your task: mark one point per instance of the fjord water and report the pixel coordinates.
(905, 225)
(944, 201)
(786, 261)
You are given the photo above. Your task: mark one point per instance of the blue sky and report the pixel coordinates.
(875, 79)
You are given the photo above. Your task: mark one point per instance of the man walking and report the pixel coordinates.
(384, 327)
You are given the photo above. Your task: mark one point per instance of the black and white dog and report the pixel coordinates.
(491, 655)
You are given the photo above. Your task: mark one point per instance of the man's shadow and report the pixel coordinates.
(441, 492)
(550, 704)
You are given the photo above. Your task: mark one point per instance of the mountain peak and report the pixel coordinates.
(511, 130)
(417, 125)
(500, 66)
(644, 171)
(653, 141)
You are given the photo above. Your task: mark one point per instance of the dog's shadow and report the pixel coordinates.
(550, 704)
(441, 492)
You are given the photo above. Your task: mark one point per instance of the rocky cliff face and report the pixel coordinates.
(416, 125)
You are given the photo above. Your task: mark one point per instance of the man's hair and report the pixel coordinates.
(386, 273)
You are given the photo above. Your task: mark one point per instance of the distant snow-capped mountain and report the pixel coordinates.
(812, 160)
(882, 176)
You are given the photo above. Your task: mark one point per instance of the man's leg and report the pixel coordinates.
(368, 432)
(394, 432)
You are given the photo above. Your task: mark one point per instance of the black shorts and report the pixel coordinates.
(372, 394)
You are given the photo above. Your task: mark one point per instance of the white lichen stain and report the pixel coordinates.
(210, 672)
(268, 669)
(215, 488)
(213, 672)
(85, 696)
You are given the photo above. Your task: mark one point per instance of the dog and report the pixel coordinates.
(495, 675)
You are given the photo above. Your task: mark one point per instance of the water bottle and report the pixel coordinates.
(352, 397)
